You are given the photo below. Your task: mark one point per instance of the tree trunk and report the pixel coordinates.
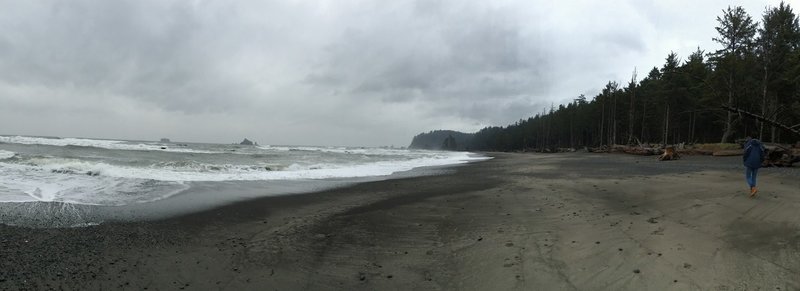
(602, 120)
(793, 129)
(630, 111)
(544, 130)
(763, 106)
(571, 135)
(614, 122)
(666, 125)
(729, 119)
(644, 119)
(774, 135)
(694, 126)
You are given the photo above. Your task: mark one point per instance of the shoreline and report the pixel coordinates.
(198, 197)
(518, 221)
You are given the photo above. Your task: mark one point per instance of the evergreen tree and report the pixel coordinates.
(677, 102)
(696, 72)
(736, 34)
(778, 40)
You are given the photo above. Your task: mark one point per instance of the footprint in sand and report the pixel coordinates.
(659, 231)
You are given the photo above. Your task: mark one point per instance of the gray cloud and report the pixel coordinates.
(346, 72)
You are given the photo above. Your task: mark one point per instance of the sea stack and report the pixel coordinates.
(246, 142)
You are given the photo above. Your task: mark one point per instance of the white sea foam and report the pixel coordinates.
(98, 143)
(227, 172)
(25, 183)
(83, 176)
(339, 150)
(6, 154)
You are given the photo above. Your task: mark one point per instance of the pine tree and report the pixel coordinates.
(736, 32)
(778, 40)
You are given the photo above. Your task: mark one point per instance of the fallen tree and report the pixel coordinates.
(776, 155)
(795, 129)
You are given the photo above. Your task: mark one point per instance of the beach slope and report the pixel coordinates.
(516, 222)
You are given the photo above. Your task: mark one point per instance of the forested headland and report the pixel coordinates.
(756, 69)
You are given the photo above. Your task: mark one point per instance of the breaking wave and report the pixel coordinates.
(6, 154)
(121, 179)
(99, 143)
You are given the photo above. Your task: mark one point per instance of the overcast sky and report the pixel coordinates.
(338, 72)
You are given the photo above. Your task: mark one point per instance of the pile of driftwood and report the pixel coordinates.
(665, 153)
(600, 149)
(780, 156)
(777, 155)
(550, 150)
(642, 150)
(669, 154)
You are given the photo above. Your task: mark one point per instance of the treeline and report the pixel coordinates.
(757, 70)
(438, 139)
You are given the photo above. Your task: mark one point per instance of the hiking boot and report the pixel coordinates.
(753, 191)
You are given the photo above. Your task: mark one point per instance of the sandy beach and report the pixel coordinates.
(516, 222)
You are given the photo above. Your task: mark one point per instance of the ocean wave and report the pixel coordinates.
(140, 178)
(188, 171)
(99, 143)
(6, 154)
(340, 150)
(21, 183)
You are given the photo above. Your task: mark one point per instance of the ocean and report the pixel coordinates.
(57, 182)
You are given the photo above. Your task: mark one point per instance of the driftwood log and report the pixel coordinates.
(779, 156)
(669, 154)
(727, 153)
(642, 151)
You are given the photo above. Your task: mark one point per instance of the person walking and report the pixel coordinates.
(753, 158)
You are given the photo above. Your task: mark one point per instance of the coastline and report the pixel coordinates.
(518, 221)
(196, 197)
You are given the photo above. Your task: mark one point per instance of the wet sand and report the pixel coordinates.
(517, 222)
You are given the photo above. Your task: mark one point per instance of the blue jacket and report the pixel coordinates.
(753, 154)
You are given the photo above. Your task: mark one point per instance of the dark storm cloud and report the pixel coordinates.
(159, 53)
(452, 61)
(324, 72)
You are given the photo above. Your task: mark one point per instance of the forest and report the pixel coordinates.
(756, 70)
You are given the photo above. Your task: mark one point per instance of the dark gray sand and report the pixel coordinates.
(517, 222)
